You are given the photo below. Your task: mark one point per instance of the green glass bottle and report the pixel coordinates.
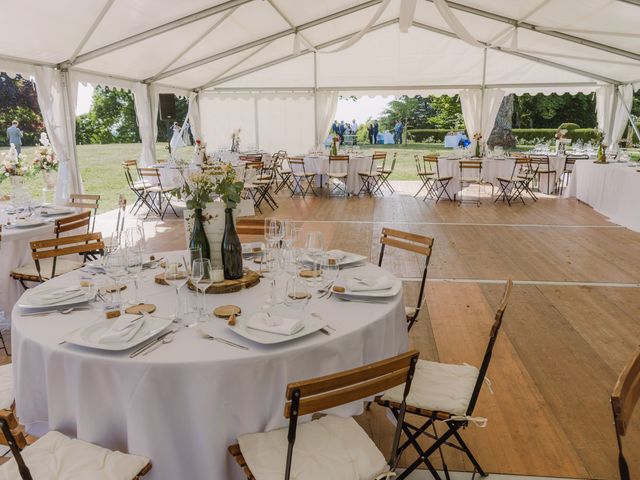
(231, 248)
(198, 237)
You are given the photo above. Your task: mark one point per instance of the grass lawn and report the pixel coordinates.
(101, 171)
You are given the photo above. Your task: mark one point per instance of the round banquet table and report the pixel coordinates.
(491, 169)
(319, 164)
(186, 402)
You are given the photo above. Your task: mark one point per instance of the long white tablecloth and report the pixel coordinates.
(319, 164)
(15, 251)
(491, 169)
(183, 404)
(612, 190)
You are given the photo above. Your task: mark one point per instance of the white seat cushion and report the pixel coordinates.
(46, 266)
(438, 387)
(58, 457)
(331, 447)
(6, 386)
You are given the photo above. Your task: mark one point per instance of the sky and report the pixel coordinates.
(362, 109)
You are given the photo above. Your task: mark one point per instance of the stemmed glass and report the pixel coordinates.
(201, 269)
(315, 244)
(273, 231)
(134, 268)
(116, 269)
(330, 270)
(175, 274)
(297, 293)
(269, 270)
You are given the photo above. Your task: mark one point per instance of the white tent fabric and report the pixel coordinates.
(250, 47)
(194, 116)
(479, 109)
(56, 97)
(611, 111)
(326, 106)
(148, 133)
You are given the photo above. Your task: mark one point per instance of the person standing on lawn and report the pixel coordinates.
(354, 131)
(376, 129)
(14, 135)
(341, 130)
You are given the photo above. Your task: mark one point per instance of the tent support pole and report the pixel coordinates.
(76, 183)
(315, 97)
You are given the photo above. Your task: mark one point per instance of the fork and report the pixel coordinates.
(222, 340)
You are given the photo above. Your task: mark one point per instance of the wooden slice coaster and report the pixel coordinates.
(338, 289)
(141, 308)
(299, 295)
(115, 288)
(249, 279)
(225, 311)
(310, 273)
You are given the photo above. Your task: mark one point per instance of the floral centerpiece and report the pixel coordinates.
(561, 139)
(235, 141)
(477, 137)
(334, 145)
(13, 165)
(200, 152)
(45, 161)
(599, 138)
(229, 188)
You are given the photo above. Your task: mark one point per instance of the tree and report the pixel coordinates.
(549, 111)
(19, 101)
(501, 135)
(423, 112)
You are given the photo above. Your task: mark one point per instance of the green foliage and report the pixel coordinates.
(569, 126)
(112, 118)
(18, 101)
(422, 135)
(229, 188)
(423, 112)
(548, 111)
(548, 134)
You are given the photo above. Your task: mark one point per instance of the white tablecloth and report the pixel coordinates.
(452, 141)
(319, 164)
(183, 404)
(171, 176)
(491, 169)
(15, 251)
(612, 190)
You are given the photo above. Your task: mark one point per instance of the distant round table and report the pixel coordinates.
(186, 402)
(319, 164)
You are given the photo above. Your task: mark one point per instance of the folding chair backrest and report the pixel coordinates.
(495, 328)
(297, 164)
(72, 222)
(339, 159)
(474, 166)
(149, 172)
(323, 393)
(539, 159)
(571, 159)
(411, 242)
(378, 157)
(89, 243)
(624, 399)
(431, 161)
(250, 226)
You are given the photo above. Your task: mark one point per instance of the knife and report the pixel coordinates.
(147, 345)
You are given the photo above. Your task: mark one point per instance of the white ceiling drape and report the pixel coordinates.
(480, 111)
(146, 125)
(57, 94)
(611, 113)
(194, 116)
(326, 106)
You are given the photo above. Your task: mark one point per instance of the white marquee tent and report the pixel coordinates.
(275, 68)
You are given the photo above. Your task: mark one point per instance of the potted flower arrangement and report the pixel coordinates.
(477, 137)
(229, 188)
(45, 161)
(334, 145)
(14, 168)
(599, 137)
(200, 152)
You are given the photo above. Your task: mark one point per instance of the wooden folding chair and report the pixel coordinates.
(371, 177)
(512, 188)
(624, 399)
(411, 242)
(423, 174)
(437, 184)
(319, 394)
(47, 255)
(470, 174)
(74, 458)
(154, 192)
(302, 181)
(428, 401)
(386, 172)
(569, 163)
(543, 168)
(283, 171)
(136, 184)
(73, 222)
(86, 202)
(338, 179)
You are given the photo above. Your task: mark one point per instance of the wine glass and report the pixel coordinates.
(297, 295)
(202, 271)
(330, 270)
(273, 231)
(116, 269)
(269, 270)
(315, 244)
(175, 274)
(134, 268)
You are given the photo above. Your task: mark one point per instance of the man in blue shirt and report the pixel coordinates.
(14, 134)
(376, 128)
(400, 129)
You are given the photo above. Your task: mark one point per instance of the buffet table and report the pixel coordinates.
(186, 402)
(611, 189)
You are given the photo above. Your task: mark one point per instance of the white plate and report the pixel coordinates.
(389, 292)
(90, 335)
(348, 259)
(52, 212)
(311, 324)
(29, 223)
(26, 300)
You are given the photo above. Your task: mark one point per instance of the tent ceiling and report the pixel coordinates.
(250, 43)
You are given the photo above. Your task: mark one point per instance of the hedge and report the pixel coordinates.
(419, 135)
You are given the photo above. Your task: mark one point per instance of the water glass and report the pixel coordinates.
(297, 294)
(175, 274)
(202, 270)
(134, 268)
(273, 231)
(315, 244)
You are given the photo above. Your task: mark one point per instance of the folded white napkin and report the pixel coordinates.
(265, 322)
(56, 295)
(122, 329)
(369, 283)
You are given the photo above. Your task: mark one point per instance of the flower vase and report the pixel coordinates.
(18, 191)
(334, 148)
(602, 158)
(49, 180)
(231, 248)
(198, 236)
(477, 154)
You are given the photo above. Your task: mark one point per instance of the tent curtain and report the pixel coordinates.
(57, 96)
(479, 116)
(144, 115)
(326, 106)
(194, 116)
(611, 122)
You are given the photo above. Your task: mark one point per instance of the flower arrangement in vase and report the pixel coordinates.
(200, 152)
(334, 145)
(229, 188)
(477, 137)
(235, 141)
(45, 161)
(602, 148)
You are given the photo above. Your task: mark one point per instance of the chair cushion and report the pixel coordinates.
(58, 457)
(331, 447)
(440, 387)
(6, 386)
(29, 270)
